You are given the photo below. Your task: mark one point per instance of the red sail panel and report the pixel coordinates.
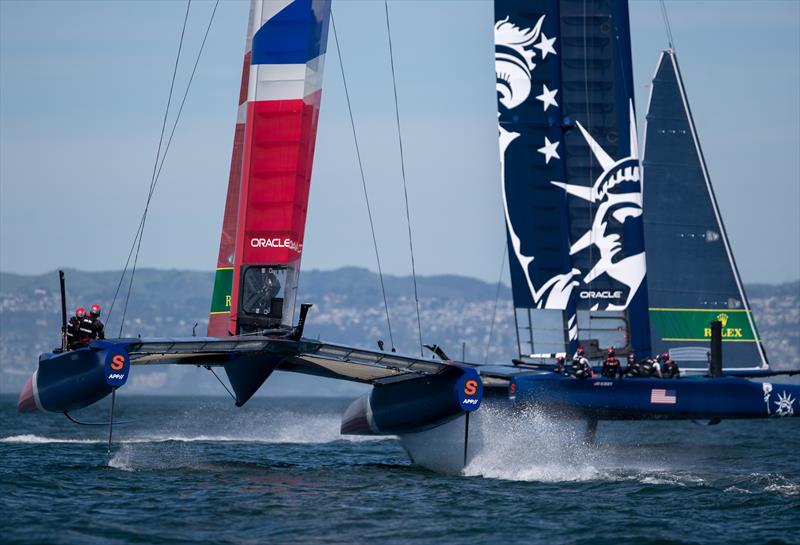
(219, 317)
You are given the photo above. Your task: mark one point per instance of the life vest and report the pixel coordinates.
(72, 329)
(86, 329)
(610, 367)
(670, 369)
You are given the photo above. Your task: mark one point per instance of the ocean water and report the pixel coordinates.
(187, 470)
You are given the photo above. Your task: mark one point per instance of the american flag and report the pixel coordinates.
(666, 397)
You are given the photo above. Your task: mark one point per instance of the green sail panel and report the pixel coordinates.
(694, 325)
(221, 296)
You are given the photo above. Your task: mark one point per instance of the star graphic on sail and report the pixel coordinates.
(548, 97)
(515, 51)
(545, 45)
(549, 150)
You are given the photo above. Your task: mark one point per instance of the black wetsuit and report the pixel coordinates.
(632, 369)
(91, 328)
(99, 329)
(670, 369)
(611, 368)
(651, 368)
(581, 368)
(72, 332)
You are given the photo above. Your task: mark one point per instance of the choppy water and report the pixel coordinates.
(276, 470)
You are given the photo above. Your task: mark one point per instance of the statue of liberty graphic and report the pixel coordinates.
(615, 196)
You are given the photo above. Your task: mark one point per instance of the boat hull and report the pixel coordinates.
(650, 398)
(66, 381)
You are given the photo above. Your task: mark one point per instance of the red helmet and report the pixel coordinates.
(80, 312)
(611, 352)
(95, 310)
(580, 351)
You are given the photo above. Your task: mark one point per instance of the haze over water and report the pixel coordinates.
(277, 470)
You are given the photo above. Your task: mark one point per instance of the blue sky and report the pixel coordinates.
(83, 87)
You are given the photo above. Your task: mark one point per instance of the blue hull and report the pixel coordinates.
(645, 398)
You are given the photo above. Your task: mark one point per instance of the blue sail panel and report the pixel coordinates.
(570, 179)
(692, 276)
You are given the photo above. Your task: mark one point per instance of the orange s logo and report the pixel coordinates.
(471, 387)
(118, 362)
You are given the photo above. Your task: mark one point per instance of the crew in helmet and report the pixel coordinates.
(99, 328)
(669, 368)
(580, 365)
(560, 367)
(655, 366)
(611, 365)
(633, 369)
(72, 327)
(91, 326)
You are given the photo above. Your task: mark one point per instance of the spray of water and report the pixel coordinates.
(530, 446)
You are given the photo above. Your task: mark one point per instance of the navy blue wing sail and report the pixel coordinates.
(570, 175)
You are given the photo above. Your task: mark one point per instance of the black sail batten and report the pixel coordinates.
(692, 274)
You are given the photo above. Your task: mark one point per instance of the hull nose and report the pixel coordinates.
(27, 402)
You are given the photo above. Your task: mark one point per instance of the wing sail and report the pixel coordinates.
(570, 176)
(265, 214)
(693, 277)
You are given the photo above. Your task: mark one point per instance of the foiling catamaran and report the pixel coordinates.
(577, 220)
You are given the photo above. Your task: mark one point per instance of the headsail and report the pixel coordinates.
(265, 214)
(570, 175)
(692, 277)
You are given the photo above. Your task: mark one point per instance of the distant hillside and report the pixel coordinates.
(348, 308)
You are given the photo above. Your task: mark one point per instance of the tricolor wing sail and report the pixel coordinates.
(692, 276)
(570, 175)
(266, 210)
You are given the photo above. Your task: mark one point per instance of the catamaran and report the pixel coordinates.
(577, 218)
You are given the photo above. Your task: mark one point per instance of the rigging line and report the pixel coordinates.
(496, 299)
(163, 158)
(220, 381)
(667, 26)
(155, 163)
(403, 172)
(363, 184)
(185, 95)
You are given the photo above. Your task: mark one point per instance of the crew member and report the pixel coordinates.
(655, 366)
(99, 330)
(669, 367)
(633, 369)
(611, 365)
(91, 327)
(580, 365)
(72, 327)
(560, 367)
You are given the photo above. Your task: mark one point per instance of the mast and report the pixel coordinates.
(694, 279)
(265, 212)
(570, 175)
